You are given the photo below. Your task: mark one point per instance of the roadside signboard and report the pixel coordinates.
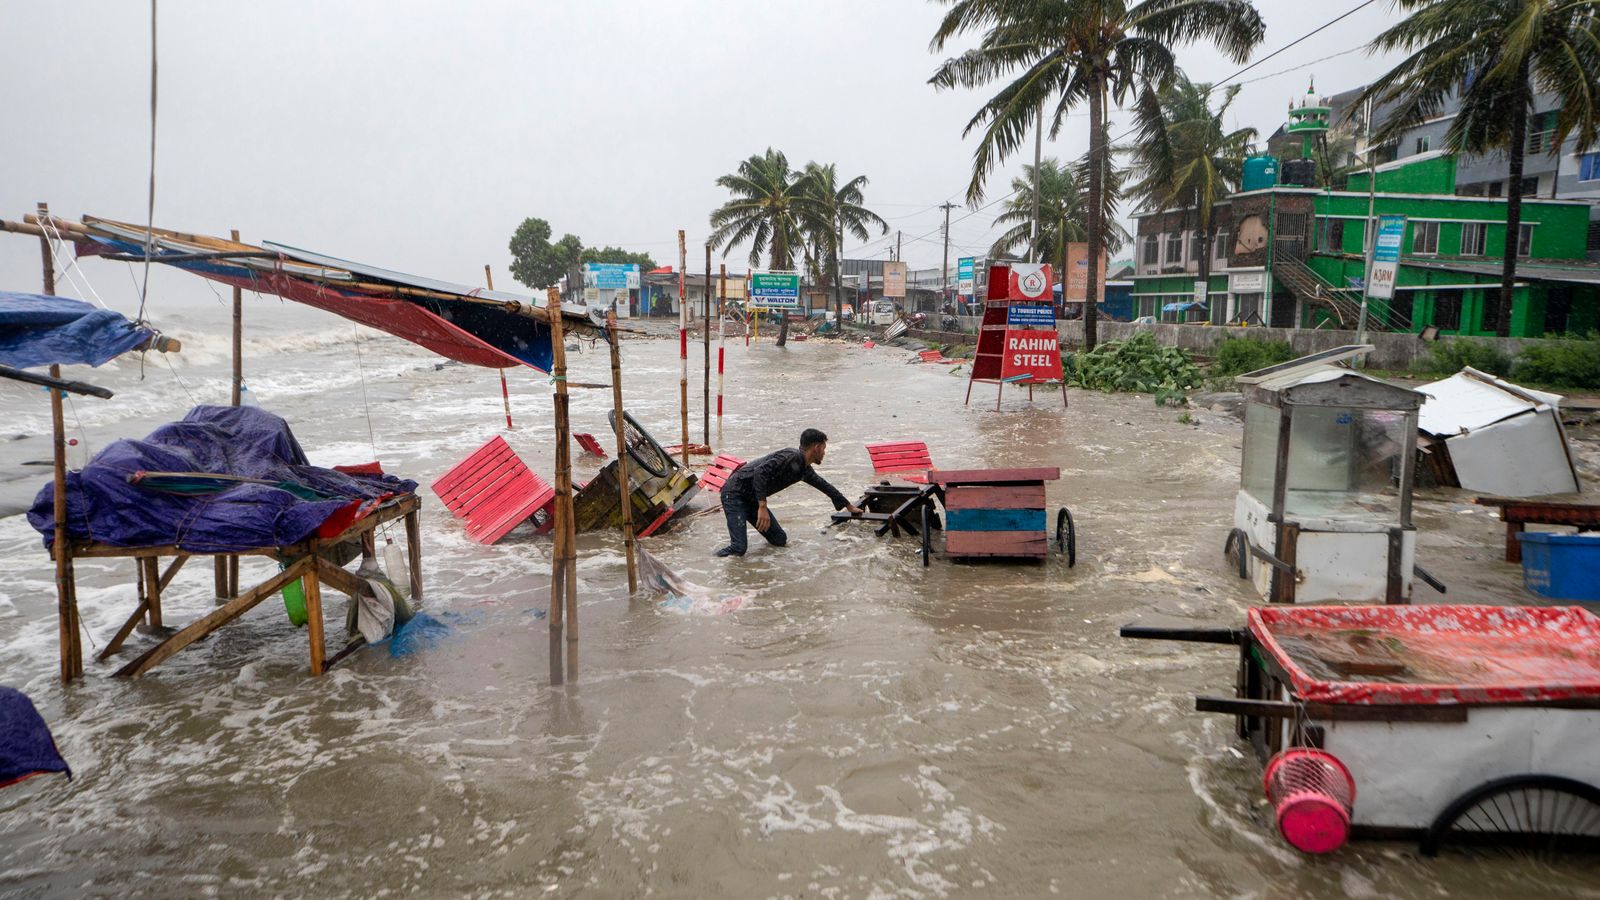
(1077, 289)
(1019, 315)
(775, 290)
(966, 276)
(1030, 281)
(1032, 355)
(1200, 292)
(611, 276)
(1386, 256)
(894, 280)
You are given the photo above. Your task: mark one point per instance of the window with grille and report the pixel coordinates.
(1150, 258)
(1333, 236)
(1491, 309)
(1541, 132)
(1447, 310)
(1530, 186)
(1425, 237)
(1174, 249)
(1525, 240)
(1221, 249)
(1424, 144)
(1196, 245)
(1473, 238)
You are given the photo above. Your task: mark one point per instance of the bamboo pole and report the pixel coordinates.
(505, 390)
(683, 344)
(560, 572)
(230, 566)
(66, 599)
(626, 485)
(705, 340)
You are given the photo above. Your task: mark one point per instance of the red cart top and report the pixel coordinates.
(1433, 655)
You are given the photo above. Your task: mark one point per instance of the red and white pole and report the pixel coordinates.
(722, 302)
(505, 394)
(683, 344)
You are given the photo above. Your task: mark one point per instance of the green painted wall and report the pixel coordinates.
(1428, 176)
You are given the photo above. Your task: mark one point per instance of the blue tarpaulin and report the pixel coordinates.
(224, 516)
(26, 747)
(39, 330)
(1182, 306)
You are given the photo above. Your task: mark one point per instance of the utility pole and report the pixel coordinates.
(1038, 150)
(898, 235)
(944, 277)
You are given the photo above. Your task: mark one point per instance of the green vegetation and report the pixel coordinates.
(1054, 57)
(1137, 364)
(1494, 55)
(537, 262)
(1236, 355)
(1445, 358)
(1573, 362)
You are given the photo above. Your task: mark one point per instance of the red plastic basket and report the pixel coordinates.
(1313, 795)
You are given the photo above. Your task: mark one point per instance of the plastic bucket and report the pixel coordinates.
(1312, 794)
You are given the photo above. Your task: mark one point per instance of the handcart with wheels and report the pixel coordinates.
(1452, 725)
(999, 513)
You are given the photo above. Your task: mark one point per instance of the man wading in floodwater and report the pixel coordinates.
(744, 496)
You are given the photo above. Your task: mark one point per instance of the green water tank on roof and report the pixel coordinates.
(1260, 172)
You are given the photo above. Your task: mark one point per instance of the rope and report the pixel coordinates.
(150, 206)
(53, 238)
(175, 375)
(371, 436)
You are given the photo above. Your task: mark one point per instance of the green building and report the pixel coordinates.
(1292, 255)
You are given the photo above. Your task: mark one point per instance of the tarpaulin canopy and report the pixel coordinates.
(1434, 655)
(472, 325)
(40, 330)
(268, 494)
(26, 747)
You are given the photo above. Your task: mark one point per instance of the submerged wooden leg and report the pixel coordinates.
(152, 590)
(218, 617)
(233, 576)
(414, 552)
(219, 578)
(124, 631)
(1513, 544)
(313, 591)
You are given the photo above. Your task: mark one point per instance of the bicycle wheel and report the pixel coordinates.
(1529, 815)
(642, 447)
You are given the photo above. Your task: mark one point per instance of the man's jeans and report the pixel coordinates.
(741, 510)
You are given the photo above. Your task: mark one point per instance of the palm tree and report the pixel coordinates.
(842, 213)
(1063, 213)
(1067, 52)
(1186, 158)
(773, 208)
(1494, 55)
(1336, 160)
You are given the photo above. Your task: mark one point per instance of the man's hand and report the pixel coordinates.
(853, 510)
(763, 520)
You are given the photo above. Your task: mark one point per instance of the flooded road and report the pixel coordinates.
(861, 727)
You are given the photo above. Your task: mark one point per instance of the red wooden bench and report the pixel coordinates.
(589, 444)
(495, 491)
(716, 475)
(906, 460)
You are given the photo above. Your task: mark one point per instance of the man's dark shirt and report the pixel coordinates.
(759, 479)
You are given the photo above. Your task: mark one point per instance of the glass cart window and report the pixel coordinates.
(1343, 462)
(1260, 450)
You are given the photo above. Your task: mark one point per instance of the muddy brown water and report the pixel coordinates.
(861, 727)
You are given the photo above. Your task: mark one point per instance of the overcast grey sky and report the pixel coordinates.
(418, 135)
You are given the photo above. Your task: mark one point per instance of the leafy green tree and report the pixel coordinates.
(1063, 53)
(535, 261)
(1186, 158)
(842, 210)
(772, 208)
(618, 255)
(1494, 55)
(1063, 214)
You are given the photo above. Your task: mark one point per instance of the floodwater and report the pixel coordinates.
(860, 727)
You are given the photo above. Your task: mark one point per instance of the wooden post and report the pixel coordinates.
(563, 560)
(152, 591)
(722, 303)
(683, 345)
(705, 340)
(414, 551)
(66, 589)
(622, 447)
(311, 586)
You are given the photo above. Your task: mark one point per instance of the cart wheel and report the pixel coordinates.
(1067, 536)
(1237, 549)
(927, 536)
(1539, 815)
